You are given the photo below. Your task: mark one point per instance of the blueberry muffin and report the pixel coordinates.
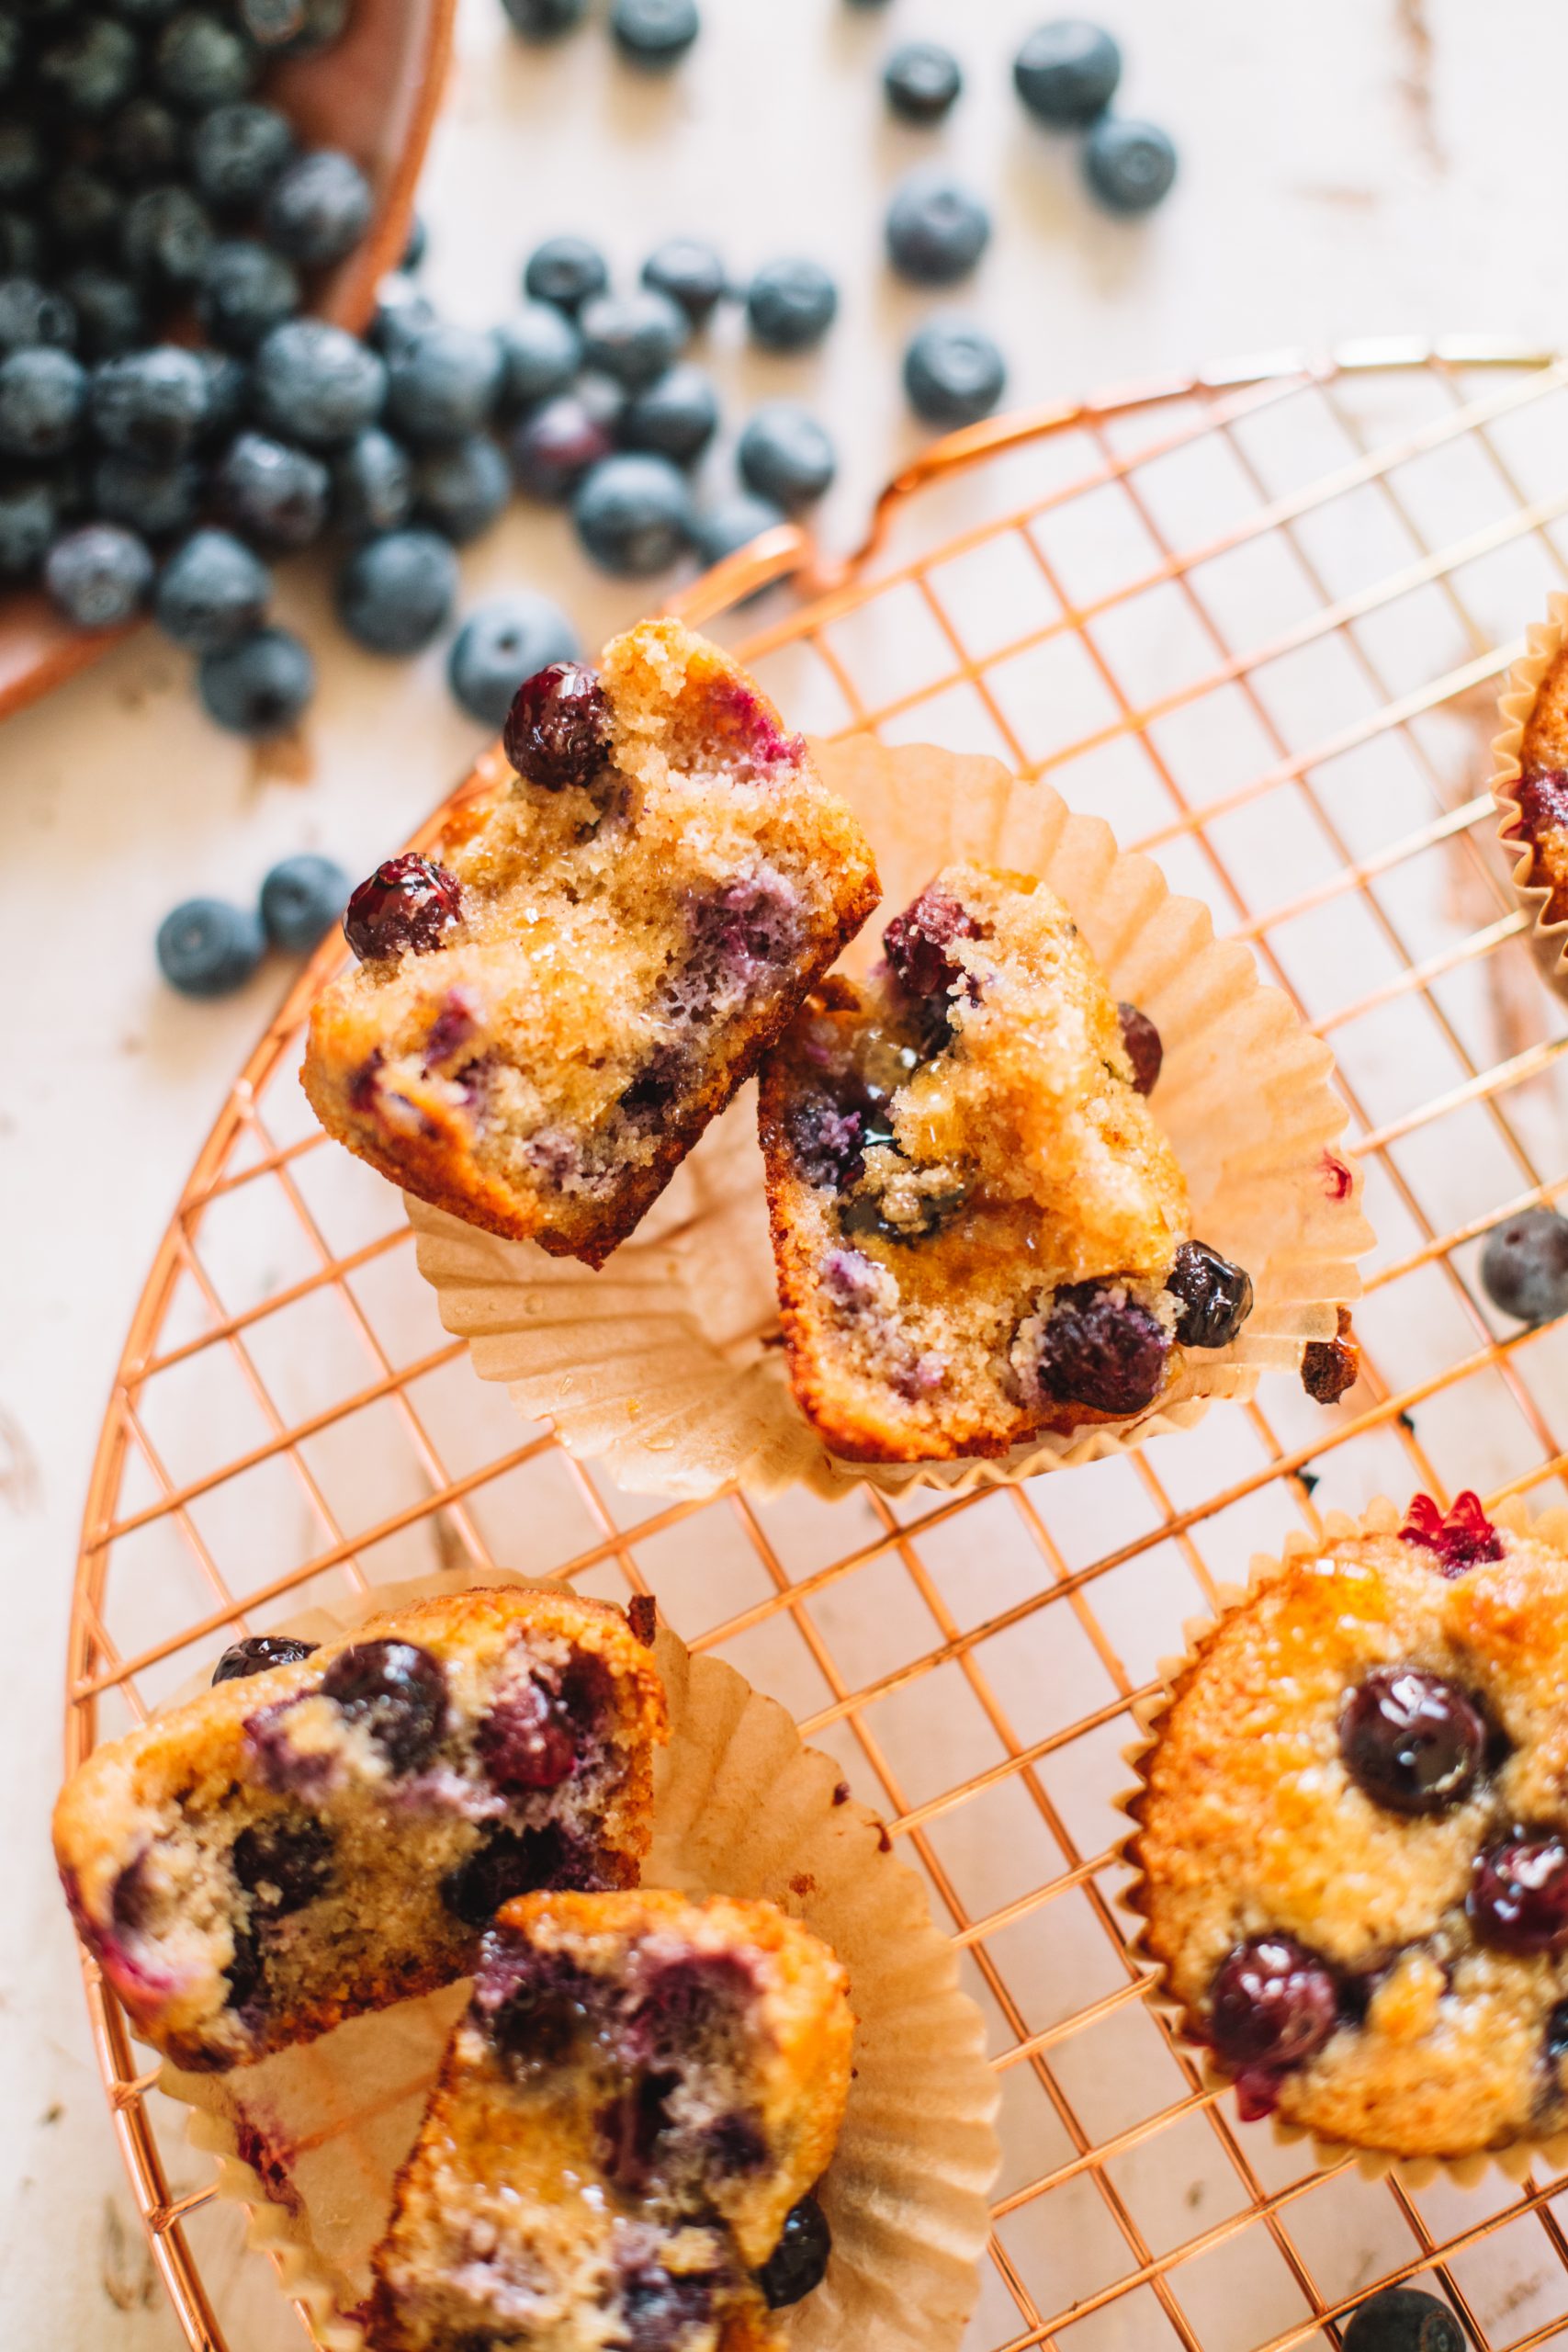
(327, 1831)
(980, 1231)
(546, 1017)
(643, 2091)
(1353, 1837)
(1540, 791)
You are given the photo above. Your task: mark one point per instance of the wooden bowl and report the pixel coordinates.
(374, 93)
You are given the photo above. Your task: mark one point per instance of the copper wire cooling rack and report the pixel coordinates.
(1257, 621)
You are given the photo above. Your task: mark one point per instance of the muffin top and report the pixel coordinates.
(1353, 1835)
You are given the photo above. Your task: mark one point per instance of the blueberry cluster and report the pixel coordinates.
(652, 35)
(209, 947)
(1067, 73)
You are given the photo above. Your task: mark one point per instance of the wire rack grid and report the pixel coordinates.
(1258, 620)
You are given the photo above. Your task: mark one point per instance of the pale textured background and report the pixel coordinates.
(1348, 168)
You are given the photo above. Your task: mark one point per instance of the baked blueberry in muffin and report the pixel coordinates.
(979, 1228)
(642, 2096)
(323, 1835)
(1542, 789)
(1353, 1837)
(547, 1015)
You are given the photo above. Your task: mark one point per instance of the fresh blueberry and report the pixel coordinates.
(246, 290)
(784, 455)
(1067, 73)
(559, 729)
(30, 516)
(540, 353)
(690, 273)
(402, 312)
(91, 69)
(151, 404)
(207, 948)
(654, 34)
(201, 63)
(500, 645)
(733, 524)
(110, 316)
(256, 1652)
(406, 906)
(236, 153)
(545, 20)
(212, 591)
(1411, 1741)
(82, 209)
(271, 490)
(373, 482)
(553, 446)
(676, 417)
(318, 207)
(566, 271)
(921, 79)
(1145, 1049)
(799, 2261)
(317, 383)
(936, 229)
(155, 496)
(1128, 165)
(444, 385)
(301, 900)
(143, 15)
(1212, 1298)
(395, 592)
(43, 397)
(1524, 1266)
(272, 24)
(165, 238)
(145, 142)
(22, 156)
(1518, 1892)
(323, 26)
(31, 313)
(1101, 1348)
(21, 240)
(953, 373)
(632, 337)
(460, 490)
(1273, 2005)
(791, 304)
(1402, 2319)
(283, 1865)
(415, 246)
(633, 514)
(10, 51)
(260, 686)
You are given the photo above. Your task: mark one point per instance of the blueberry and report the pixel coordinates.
(29, 517)
(31, 313)
(507, 1863)
(43, 396)
(1066, 72)
(415, 246)
(784, 455)
(545, 20)
(799, 2261)
(1518, 1894)
(1272, 2006)
(246, 290)
(146, 141)
(791, 304)
(559, 729)
(500, 645)
(21, 240)
(401, 315)
(151, 403)
(921, 79)
(953, 373)
(1524, 1266)
(525, 1742)
(916, 944)
(110, 316)
(1213, 1297)
(256, 1653)
(323, 25)
(155, 496)
(259, 687)
(228, 394)
(632, 337)
(92, 69)
(1128, 165)
(273, 491)
(272, 24)
(553, 446)
(460, 490)
(677, 416)
(212, 591)
(207, 948)
(1101, 1350)
(283, 1865)
(690, 273)
(301, 900)
(22, 156)
(733, 523)
(566, 271)
(395, 592)
(540, 353)
(1145, 1049)
(936, 229)
(10, 51)
(1411, 1742)
(199, 61)
(317, 383)
(398, 1691)
(165, 237)
(445, 384)
(1402, 2319)
(318, 207)
(654, 34)
(373, 482)
(633, 514)
(406, 906)
(236, 153)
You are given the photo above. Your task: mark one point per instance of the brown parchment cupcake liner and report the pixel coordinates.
(667, 1364)
(1380, 1518)
(309, 2140)
(1543, 645)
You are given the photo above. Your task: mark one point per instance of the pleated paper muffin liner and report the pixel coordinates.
(1380, 1518)
(1544, 645)
(309, 2140)
(667, 1365)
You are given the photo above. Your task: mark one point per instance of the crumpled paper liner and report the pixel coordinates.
(667, 1364)
(309, 2140)
(1380, 1518)
(1543, 640)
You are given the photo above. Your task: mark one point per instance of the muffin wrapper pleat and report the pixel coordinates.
(1543, 645)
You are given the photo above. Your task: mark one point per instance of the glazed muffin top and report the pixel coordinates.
(1353, 1835)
